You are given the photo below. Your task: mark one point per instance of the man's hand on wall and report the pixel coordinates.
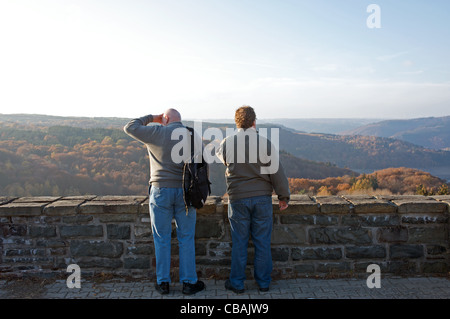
(283, 205)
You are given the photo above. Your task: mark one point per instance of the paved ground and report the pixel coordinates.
(303, 288)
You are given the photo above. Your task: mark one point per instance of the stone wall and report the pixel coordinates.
(318, 236)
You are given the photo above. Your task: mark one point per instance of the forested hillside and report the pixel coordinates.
(362, 152)
(66, 160)
(84, 156)
(430, 132)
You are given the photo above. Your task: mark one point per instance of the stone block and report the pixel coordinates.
(288, 234)
(357, 252)
(143, 207)
(136, 262)
(81, 231)
(22, 209)
(210, 205)
(340, 235)
(436, 267)
(420, 204)
(402, 267)
(77, 219)
(213, 261)
(280, 253)
(333, 267)
(79, 197)
(142, 249)
(298, 204)
(37, 199)
(117, 218)
(42, 231)
(401, 251)
(392, 234)
(425, 219)
(100, 263)
(120, 198)
(333, 204)
(326, 220)
(24, 252)
(219, 249)
(112, 205)
(200, 248)
(316, 253)
(209, 228)
(436, 251)
(371, 220)
(297, 219)
(8, 230)
(443, 198)
(6, 199)
(38, 262)
(115, 231)
(93, 248)
(393, 198)
(97, 207)
(63, 207)
(57, 251)
(369, 204)
(304, 268)
(361, 266)
(142, 231)
(51, 243)
(17, 241)
(431, 234)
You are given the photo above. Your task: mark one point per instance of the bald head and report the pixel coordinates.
(172, 115)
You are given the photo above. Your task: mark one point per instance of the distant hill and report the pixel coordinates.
(321, 125)
(51, 120)
(300, 168)
(430, 132)
(362, 152)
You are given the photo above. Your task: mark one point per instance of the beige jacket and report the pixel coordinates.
(250, 170)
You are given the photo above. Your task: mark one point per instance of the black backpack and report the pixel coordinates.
(196, 184)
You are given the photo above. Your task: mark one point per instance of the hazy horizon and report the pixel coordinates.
(185, 118)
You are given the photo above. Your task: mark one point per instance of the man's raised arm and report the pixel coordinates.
(138, 129)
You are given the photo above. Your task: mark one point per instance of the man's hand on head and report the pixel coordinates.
(158, 118)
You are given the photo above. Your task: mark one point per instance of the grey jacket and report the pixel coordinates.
(164, 171)
(247, 172)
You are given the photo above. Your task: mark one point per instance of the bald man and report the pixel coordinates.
(166, 198)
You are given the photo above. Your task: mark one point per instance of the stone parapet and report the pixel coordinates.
(314, 236)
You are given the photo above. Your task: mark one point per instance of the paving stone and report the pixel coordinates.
(345, 288)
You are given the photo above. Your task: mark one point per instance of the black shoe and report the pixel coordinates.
(264, 289)
(228, 286)
(190, 289)
(162, 288)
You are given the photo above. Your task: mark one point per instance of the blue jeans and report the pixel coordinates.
(253, 217)
(166, 204)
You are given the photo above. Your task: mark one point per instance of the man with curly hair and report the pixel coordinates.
(249, 186)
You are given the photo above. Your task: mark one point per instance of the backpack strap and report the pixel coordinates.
(191, 130)
(186, 169)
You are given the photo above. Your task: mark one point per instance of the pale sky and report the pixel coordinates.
(286, 58)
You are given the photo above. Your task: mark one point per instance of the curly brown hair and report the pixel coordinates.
(244, 117)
